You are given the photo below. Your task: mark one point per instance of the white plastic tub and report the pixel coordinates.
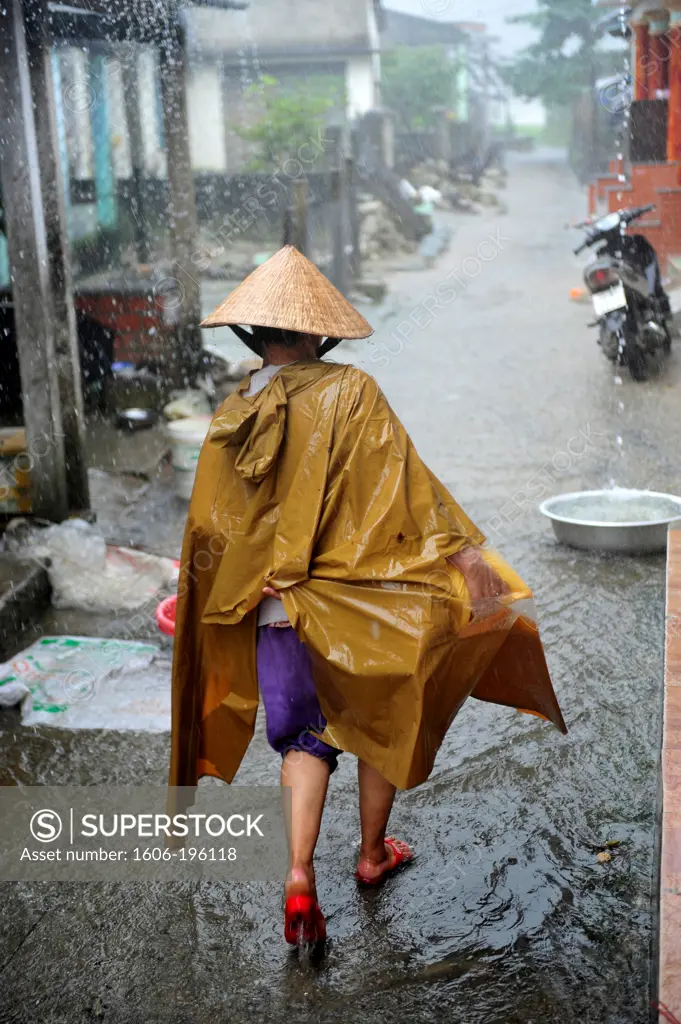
(186, 438)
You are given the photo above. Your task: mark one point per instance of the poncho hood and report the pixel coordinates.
(255, 426)
(314, 488)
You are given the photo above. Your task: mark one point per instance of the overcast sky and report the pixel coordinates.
(492, 12)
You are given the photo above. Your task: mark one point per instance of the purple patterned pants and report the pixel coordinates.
(288, 692)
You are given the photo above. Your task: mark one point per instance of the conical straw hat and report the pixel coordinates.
(289, 292)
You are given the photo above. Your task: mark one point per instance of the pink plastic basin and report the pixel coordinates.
(165, 615)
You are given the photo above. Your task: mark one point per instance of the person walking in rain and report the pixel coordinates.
(327, 571)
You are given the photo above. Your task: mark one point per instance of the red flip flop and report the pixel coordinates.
(303, 921)
(402, 858)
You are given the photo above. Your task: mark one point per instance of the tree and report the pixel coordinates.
(565, 58)
(414, 79)
(290, 118)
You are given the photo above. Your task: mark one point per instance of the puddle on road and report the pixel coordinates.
(506, 912)
(506, 917)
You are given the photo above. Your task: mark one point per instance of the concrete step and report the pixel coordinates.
(24, 596)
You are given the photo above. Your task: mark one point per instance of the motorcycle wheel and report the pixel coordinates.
(667, 346)
(637, 362)
(632, 353)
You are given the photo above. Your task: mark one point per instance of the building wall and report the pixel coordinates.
(78, 98)
(402, 29)
(236, 113)
(291, 40)
(241, 110)
(278, 26)
(205, 113)
(361, 86)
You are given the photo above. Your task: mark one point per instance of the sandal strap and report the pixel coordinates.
(400, 855)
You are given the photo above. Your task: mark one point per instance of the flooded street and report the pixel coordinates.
(507, 917)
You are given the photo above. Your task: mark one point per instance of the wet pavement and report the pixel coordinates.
(507, 917)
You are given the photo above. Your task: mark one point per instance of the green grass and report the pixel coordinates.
(556, 131)
(534, 130)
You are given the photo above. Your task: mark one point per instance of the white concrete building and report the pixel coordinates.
(290, 40)
(294, 41)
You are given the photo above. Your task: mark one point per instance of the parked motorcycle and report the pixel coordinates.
(633, 314)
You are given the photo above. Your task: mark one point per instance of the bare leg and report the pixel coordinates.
(308, 778)
(376, 796)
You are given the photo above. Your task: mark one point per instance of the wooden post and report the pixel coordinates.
(443, 138)
(134, 124)
(374, 127)
(59, 269)
(354, 222)
(295, 225)
(30, 267)
(300, 211)
(182, 200)
(338, 170)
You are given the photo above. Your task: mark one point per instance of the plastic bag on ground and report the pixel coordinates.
(89, 683)
(86, 574)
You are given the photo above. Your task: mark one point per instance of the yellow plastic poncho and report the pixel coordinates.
(314, 488)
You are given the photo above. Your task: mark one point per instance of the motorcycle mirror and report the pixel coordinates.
(616, 24)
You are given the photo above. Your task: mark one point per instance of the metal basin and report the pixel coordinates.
(137, 419)
(614, 520)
